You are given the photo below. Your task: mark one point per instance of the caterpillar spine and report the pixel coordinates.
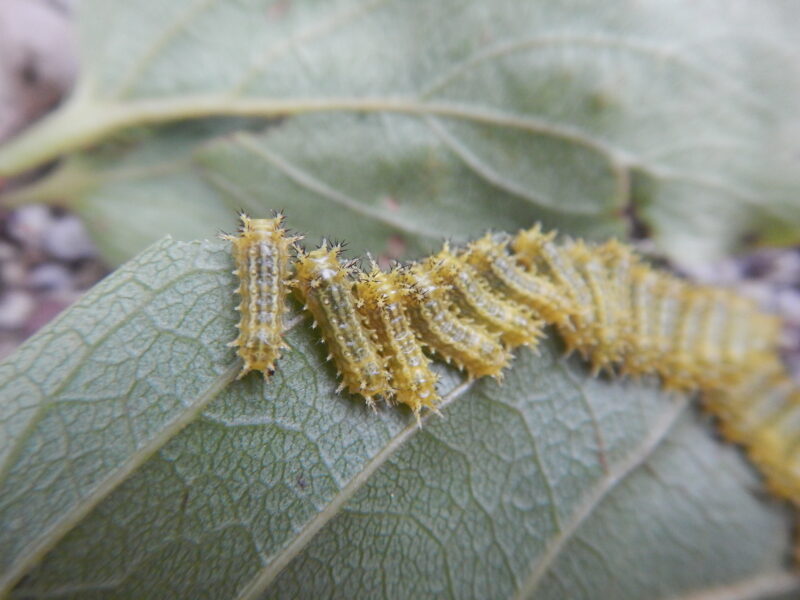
(515, 325)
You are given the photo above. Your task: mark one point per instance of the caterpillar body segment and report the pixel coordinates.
(539, 254)
(762, 413)
(515, 325)
(535, 249)
(490, 259)
(380, 301)
(773, 446)
(470, 346)
(732, 404)
(753, 405)
(327, 290)
(746, 339)
(749, 333)
(261, 253)
(715, 366)
(776, 439)
(670, 294)
(619, 262)
(712, 373)
(604, 343)
(643, 346)
(735, 341)
(685, 369)
(668, 299)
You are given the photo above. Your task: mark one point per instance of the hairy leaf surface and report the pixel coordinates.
(134, 466)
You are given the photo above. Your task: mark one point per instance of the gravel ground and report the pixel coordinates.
(47, 260)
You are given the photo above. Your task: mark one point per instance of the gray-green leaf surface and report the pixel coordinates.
(134, 466)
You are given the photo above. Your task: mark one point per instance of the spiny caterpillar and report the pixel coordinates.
(472, 306)
(442, 328)
(471, 294)
(380, 301)
(327, 289)
(261, 254)
(503, 274)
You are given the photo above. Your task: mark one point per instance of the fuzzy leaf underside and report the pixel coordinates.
(134, 466)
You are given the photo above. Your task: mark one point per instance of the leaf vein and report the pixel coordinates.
(174, 29)
(264, 577)
(307, 181)
(488, 174)
(596, 495)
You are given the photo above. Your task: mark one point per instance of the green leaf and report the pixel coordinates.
(133, 466)
(586, 113)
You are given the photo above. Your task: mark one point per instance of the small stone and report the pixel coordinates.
(87, 274)
(8, 343)
(790, 340)
(7, 251)
(37, 59)
(50, 276)
(30, 224)
(757, 265)
(67, 239)
(786, 268)
(46, 309)
(12, 274)
(15, 307)
(788, 302)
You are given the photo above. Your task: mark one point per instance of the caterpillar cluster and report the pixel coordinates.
(472, 305)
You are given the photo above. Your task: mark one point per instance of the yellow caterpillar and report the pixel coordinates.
(327, 289)
(381, 302)
(472, 306)
(261, 254)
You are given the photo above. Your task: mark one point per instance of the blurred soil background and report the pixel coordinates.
(47, 259)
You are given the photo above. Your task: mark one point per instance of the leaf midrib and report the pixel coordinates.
(595, 496)
(276, 563)
(82, 123)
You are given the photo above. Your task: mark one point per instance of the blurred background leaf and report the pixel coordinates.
(413, 120)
